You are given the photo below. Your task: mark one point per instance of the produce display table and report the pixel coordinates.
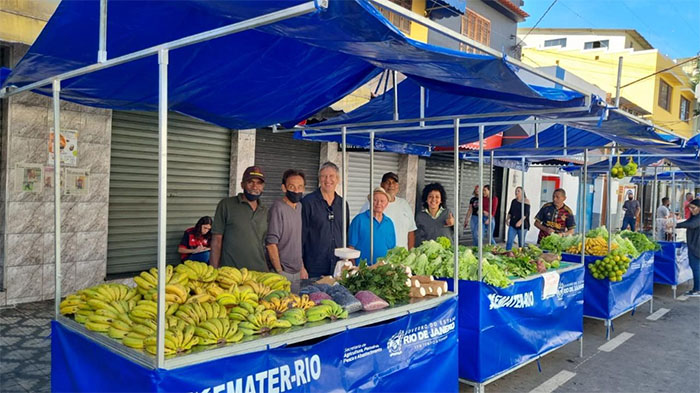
(606, 300)
(383, 357)
(671, 265)
(502, 329)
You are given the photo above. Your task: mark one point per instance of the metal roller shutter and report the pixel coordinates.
(358, 176)
(198, 177)
(277, 152)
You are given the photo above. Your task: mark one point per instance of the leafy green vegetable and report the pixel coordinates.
(559, 244)
(386, 281)
(640, 241)
(601, 231)
(626, 246)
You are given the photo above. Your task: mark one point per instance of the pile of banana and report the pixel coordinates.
(204, 306)
(597, 246)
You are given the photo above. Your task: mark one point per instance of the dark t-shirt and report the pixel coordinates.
(515, 210)
(630, 207)
(474, 203)
(560, 220)
(322, 232)
(243, 230)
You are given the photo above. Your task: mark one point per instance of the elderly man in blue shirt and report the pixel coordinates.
(384, 235)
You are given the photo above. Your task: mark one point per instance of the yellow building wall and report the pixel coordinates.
(418, 31)
(23, 20)
(599, 67)
(671, 118)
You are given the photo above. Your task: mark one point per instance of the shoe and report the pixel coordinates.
(692, 293)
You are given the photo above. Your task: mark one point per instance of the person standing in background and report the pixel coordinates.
(473, 216)
(515, 219)
(686, 204)
(490, 207)
(692, 225)
(555, 217)
(631, 208)
(663, 217)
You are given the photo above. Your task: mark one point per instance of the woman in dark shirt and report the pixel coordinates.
(195, 243)
(515, 219)
(435, 219)
(473, 216)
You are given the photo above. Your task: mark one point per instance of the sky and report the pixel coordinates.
(671, 26)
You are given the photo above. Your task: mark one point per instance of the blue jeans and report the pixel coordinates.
(512, 233)
(474, 226)
(488, 229)
(628, 221)
(695, 267)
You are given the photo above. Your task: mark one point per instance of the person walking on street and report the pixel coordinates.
(473, 216)
(384, 236)
(490, 207)
(631, 208)
(284, 229)
(555, 217)
(400, 212)
(240, 226)
(692, 225)
(322, 223)
(435, 219)
(516, 221)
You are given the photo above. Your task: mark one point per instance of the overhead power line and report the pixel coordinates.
(660, 71)
(539, 20)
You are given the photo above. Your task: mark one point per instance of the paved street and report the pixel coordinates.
(660, 355)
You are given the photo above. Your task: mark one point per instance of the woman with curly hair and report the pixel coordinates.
(435, 219)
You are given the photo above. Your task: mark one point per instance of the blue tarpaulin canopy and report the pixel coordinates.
(279, 73)
(668, 176)
(437, 103)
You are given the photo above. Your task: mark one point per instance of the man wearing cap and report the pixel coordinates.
(631, 208)
(240, 226)
(399, 211)
(384, 236)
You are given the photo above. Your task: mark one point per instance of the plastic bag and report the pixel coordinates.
(370, 301)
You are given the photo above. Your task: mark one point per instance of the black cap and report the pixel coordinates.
(390, 175)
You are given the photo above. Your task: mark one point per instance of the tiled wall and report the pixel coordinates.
(29, 263)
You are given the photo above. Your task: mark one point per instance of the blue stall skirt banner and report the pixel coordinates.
(414, 353)
(605, 299)
(501, 328)
(671, 265)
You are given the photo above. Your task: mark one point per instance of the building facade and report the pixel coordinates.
(653, 86)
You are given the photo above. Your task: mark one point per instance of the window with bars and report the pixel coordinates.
(685, 109)
(664, 95)
(399, 21)
(477, 28)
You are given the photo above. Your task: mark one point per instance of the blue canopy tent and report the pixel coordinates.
(278, 73)
(669, 176)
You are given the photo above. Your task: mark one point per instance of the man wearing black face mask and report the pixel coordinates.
(240, 226)
(284, 229)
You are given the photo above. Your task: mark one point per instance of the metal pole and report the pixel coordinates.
(422, 106)
(492, 214)
(654, 202)
(641, 202)
(57, 192)
(608, 215)
(584, 207)
(673, 205)
(371, 196)
(481, 197)
(162, 199)
(522, 204)
(102, 52)
(565, 139)
(619, 78)
(537, 136)
(396, 96)
(344, 187)
(455, 241)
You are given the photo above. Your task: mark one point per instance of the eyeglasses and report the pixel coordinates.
(331, 215)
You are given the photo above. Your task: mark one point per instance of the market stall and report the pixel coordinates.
(671, 266)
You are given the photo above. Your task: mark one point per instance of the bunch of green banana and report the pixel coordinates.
(262, 323)
(274, 281)
(318, 313)
(197, 271)
(278, 294)
(195, 313)
(240, 313)
(177, 340)
(302, 301)
(237, 297)
(337, 311)
(295, 316)
(148, 280)
(218, 331)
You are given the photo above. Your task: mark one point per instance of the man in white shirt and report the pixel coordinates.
(663, 219)
(399, 211)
